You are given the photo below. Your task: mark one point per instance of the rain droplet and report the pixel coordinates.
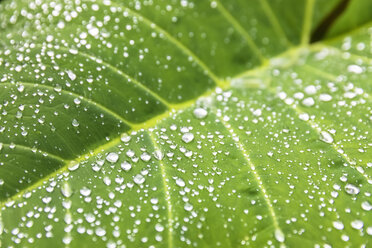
(112, 157)
(351, 189)
(326, 137)
(159, 227)
(158, 155)
(187, 137)
(139, 179)
(338, 225)
(200, 113)
(75, 123)
(366, 206)
(126, 166)
(357, 224)
(355, 69)
(180, 182)
(73, 166)
(85, 191)
(125, 138)
(66, 190)
(279, 235)
(145, 157)
(71, 75)
(188, 207)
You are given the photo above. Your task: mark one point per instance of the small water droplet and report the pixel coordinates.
(75, 123)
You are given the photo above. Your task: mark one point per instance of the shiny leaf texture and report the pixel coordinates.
(187, 123)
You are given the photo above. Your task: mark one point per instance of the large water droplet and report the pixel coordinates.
(112, 157)
(187, 137)
(200, 113)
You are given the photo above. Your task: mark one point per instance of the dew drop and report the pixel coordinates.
(125, 138)
(366, 206)
(145, 157)
(338, 225)
(180, 182)
(126, 166)
(200, 113)
(158, 155)
(357, 224)
(351, 189)
(188, 207)
(85, 191)
(75, 123)
(159, 227)
(187, 137)
(73, 166)
(279, 235)
(326, 137)
(112, 157)
(139, 179)
(66, 190)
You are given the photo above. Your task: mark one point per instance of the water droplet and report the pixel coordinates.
(145, 157)
(158, 155)
(139, 179)
(310, 90)
(71, 75)
(73, 166)
(180, 182)
(66, 190)
(159, 227)
(355, 69)
(351, 189)
(279, 235)
(338, 225)
(326, 137)
(188, 207)
(200, 113)
(366, 206)
(308, 102)
(357, 224)
(85, 191)
(112, 157)
(187, 137)
(126, 166)
(75, 123)
(100, 232)
(107, 181)
(125, 138)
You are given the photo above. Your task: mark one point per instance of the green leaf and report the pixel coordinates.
(184, 123)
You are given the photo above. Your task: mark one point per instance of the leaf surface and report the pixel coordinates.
(181, 123)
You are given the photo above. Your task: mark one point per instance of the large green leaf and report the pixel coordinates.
(184, 123)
